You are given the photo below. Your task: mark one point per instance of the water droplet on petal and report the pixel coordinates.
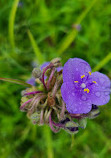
(73, 94)
(83, 97)
(88, 103)
(98, 94)
(76, 69)
(102, 80)
(107, 93)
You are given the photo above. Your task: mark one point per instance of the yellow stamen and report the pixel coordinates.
(86, 90)
(89, 73)
(82, 76)
(76, 81)
(94, 81)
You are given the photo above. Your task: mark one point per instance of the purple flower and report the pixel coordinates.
(81, 88)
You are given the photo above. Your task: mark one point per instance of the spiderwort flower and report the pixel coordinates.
(81, 88)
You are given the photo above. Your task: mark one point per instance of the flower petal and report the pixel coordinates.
(76, 103)
(31, 81)
(101, 89)
(44, 65)
(74, 68)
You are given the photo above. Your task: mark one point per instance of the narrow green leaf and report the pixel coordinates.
(36, 49)
(65, 43)
(48, 137)
(11, 23)
(103, 62)
(16, 81)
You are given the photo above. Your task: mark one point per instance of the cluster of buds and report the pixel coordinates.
(44, 104)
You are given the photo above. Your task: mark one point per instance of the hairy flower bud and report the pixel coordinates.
(56, 62)
(36, 73)
(71, 127)
(94, 112)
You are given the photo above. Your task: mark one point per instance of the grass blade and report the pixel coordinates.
(11, 23)
(47, 134)
(73, 33)
(16, 81)
(103, 62)
(36, 49)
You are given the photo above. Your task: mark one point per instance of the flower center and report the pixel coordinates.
(83, 85)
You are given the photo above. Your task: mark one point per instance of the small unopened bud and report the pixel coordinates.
(71, 127)
(35, 117)
(56, 62)
(82, 122)
(23, 92)
(65, 121)
(36, 73)
(94, 112)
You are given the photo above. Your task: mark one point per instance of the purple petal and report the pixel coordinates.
(74, 68)
(101, 89)
(31, 81)
(59, 68)
(44, 65)
(76, 102)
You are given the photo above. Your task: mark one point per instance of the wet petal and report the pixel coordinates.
(76, 103)
(101, 89)
(74, 68)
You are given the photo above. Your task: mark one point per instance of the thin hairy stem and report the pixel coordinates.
(34, 92)
(51, 125)
(50, 78)
(24, 104)
(44, 71)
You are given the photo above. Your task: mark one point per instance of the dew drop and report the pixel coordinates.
(83, 97)
(103, 87)
(73, 94)
(76, 69)
(98, 94)
(107, 93)
(102, 80)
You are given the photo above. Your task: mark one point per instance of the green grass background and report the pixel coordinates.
(37, 31)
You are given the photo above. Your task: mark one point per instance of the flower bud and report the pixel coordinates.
(71, 127)
(56, 62)
(94, 112)
(36, 73)
(82, 122)
(35, 117)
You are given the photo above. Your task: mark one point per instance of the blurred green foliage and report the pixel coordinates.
(37, 31)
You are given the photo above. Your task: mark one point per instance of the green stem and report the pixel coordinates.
(36, 49)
